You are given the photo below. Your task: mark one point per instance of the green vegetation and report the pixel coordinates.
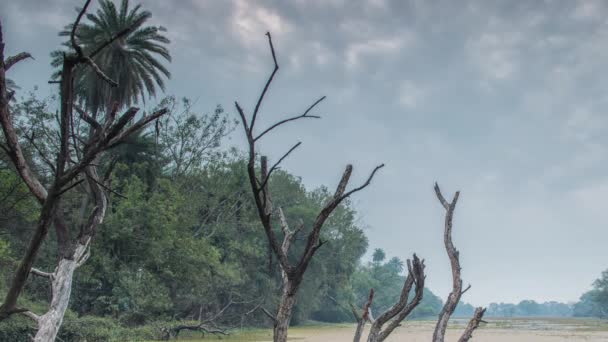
(595, 302)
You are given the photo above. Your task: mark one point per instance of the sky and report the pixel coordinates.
(502, 100)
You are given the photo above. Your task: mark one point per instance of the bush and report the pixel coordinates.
(94, 329)
(17, 329)
(78, 329)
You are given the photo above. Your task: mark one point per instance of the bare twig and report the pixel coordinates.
(473, 324)
(40, 273)
(276, 165)
(274, 71)
(267, 313)
(304, 115)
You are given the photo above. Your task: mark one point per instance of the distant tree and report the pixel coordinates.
(594, 303)
(379, 255)
(528, 308)
(135, 61)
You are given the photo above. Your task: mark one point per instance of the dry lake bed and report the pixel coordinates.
(497, 330)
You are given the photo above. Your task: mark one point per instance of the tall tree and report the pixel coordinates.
(135, 61)
(75, 163)
(292, 273)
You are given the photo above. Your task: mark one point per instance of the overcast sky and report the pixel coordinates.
(503, 100)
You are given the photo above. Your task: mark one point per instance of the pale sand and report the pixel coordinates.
(517, 330)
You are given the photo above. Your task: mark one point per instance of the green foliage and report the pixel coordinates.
(17, 329)
(594, 303)
(99, 329)
(134, 61)
(182, 238)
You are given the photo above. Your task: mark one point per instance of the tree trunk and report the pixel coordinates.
(359, 331)
(281, 324)
(50, 322)
(374, 334)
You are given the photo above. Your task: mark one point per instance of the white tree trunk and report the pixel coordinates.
(50, 322)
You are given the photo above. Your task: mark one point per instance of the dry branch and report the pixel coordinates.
(457, 291)
(12, 60)
(393, 317)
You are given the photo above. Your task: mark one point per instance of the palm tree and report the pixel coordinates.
(134, 60)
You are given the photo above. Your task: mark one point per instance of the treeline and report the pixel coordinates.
(525, 308)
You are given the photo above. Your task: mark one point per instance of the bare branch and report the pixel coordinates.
(75, 45)
(305, 115)
(276, 165)
(348, 171)
(46, 161)
(364, 185)
(110, 41)
(15, 152)
(457, 291)
(84, 257)
(473, 324)
(12, 60)
(99, 72)
(40, 273)
(30, 315)
(274, 71)
(402, 308)
(442, 200)
(141, 123)
(244, 121)
(108, 189)
(364, 317)
(87, 118)
(267, 313)
(73, 185)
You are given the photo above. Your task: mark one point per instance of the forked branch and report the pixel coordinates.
(457, 291)
(393, 317)
(258, 180)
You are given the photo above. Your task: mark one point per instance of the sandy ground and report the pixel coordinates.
(518, 330)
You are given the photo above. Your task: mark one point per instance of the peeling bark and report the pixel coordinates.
(50, 322)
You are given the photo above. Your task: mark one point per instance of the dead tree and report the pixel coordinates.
(75, 163)
(393, 317)
(457, 291)
(292, 272)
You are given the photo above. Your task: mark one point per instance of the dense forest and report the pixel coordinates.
(181, 240)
